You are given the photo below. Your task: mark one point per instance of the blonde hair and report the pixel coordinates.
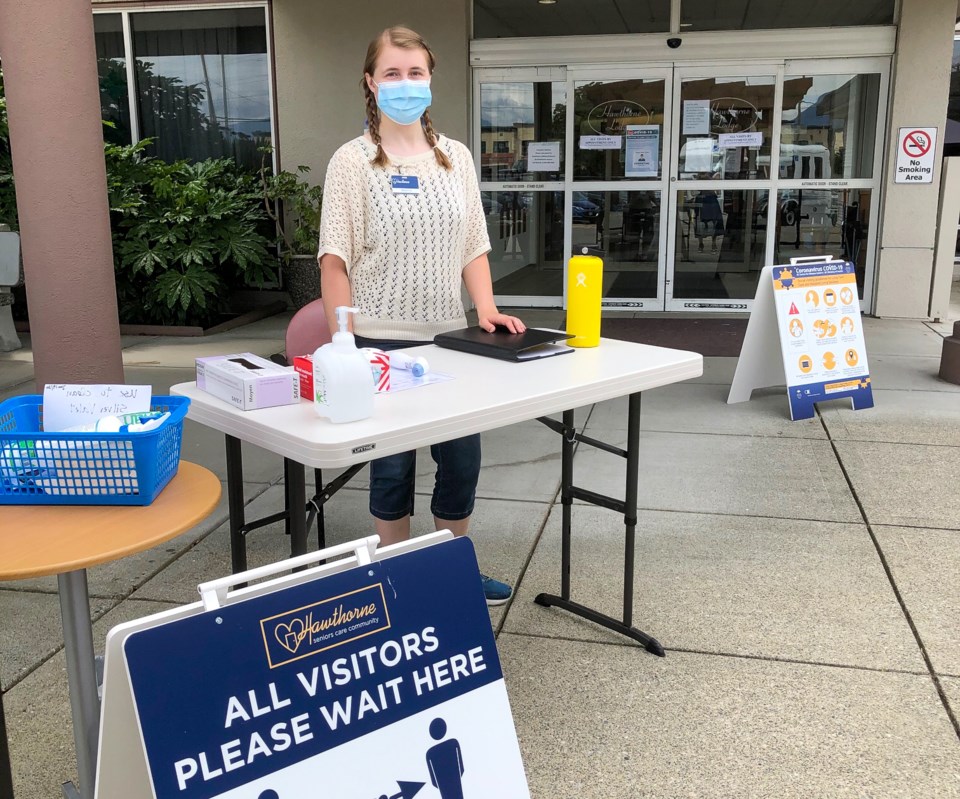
(405, 39)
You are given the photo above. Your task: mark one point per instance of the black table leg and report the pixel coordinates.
(238, 544)
(296, 491)
(628, 507)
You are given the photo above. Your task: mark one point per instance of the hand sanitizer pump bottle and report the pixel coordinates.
(584, 299)
(342, 381)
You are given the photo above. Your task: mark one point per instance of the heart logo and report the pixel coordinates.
(290, 635)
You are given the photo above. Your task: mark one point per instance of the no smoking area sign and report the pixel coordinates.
(916, 150)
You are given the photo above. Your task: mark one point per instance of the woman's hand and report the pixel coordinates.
(488, 321)
(476, 276)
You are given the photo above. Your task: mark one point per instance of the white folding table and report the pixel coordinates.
(485, 394)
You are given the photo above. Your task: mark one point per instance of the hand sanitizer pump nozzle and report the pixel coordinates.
(343, 385)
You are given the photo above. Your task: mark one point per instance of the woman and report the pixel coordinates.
(402, 226)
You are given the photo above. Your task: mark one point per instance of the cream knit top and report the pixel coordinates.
(404, 252)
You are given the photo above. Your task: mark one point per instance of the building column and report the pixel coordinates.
(56, 138)
(919, 88)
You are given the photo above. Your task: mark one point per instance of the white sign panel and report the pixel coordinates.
(916, 150)
(379, 681)
(67, 405)
(696, 117)
(643, 151)
(821, 337)
(601, 142)
(543, 156)
(750, 139)
(698, 155)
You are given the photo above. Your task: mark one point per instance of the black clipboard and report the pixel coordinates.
(532, 344)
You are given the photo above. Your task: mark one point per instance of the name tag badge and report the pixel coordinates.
(405, 184)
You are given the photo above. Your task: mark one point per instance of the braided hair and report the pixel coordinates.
(408, 40)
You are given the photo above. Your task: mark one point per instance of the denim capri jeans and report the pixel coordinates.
(392, 478)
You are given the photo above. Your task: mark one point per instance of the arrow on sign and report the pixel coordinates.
(407, 790)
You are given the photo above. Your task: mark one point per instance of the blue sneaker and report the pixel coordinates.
(497, 593)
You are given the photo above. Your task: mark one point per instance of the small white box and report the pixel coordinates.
(248, 381)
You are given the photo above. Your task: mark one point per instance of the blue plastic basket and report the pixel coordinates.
(38, 468)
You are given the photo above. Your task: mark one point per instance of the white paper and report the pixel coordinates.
(748, 139)
(402, 379)
(643, 151)
(601, 142)
(698, 155)
(696, 117)
(66, 405)
(543, 156)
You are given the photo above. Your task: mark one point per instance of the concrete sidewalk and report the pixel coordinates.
(804, 578)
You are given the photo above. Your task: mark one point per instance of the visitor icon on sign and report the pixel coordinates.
(445, 762)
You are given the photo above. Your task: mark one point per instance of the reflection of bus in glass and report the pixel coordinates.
(815, 207)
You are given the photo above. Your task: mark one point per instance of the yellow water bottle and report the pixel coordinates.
(584, 292)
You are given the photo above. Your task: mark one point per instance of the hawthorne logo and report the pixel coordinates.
(300, 633)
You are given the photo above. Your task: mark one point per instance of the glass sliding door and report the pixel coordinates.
(690, 179)
(726, 128)
(619, 142)
(520, 145)
(828, 180)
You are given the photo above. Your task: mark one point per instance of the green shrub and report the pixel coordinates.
(184, 236)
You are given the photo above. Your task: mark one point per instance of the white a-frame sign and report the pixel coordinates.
(811, 306)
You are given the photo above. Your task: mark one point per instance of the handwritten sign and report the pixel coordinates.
(66, 405)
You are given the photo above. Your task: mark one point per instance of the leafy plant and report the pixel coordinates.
(293, 205)
(184, 235)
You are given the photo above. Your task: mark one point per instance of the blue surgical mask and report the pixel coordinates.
(404, 101)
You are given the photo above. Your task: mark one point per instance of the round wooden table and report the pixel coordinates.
(42, 540)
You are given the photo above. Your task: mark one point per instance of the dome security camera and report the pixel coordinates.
(674, 43)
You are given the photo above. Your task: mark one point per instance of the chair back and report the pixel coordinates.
(308, 329)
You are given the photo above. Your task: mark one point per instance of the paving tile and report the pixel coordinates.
(160, 377)
(207, 447)
(751, 476)
(183, 351)
(504, 534)
(702, 408)
(900, 337)
(925, 564)
(38, 716)
(809, 591)
(611, 722)
(15, 372)
(717, 370)
(906, 417)
(905, 484)
(908, 373)
(951, 687)
(31, 629)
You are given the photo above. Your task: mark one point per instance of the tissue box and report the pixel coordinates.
(248, 381)
(303, 366)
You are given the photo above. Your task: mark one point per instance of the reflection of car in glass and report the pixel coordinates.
(502, 201)
(583, 209)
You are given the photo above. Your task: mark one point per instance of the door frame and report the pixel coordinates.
(577, 74)
(669, 184)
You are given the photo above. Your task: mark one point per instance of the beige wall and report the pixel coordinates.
(319, 49)
(919, 88)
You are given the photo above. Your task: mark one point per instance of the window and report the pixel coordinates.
(501, 147)
(201, 85)
(718, 15)
(494, 19)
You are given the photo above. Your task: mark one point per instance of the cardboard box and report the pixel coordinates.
(248, 381)
(379, 366)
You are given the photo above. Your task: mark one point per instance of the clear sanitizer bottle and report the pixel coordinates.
(343, 386)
